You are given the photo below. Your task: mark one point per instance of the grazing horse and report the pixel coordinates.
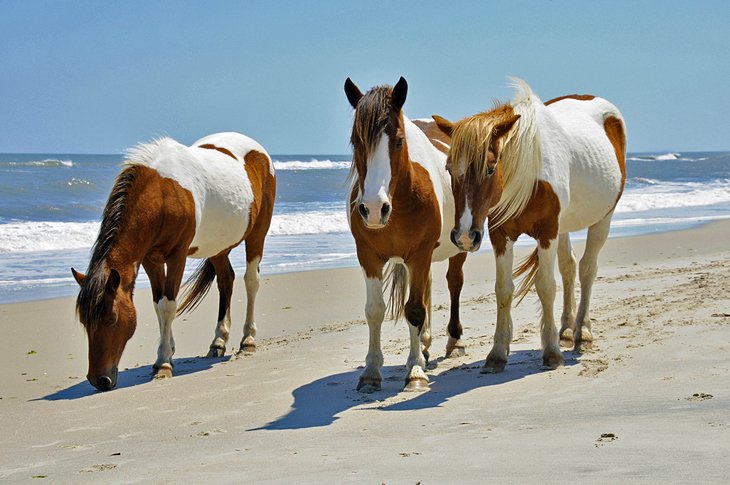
(169, 202)
(401, 211)
(544, 170)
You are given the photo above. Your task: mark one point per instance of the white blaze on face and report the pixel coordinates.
(377, 181)
(465, 225)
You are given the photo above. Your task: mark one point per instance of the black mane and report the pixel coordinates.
(90, 302)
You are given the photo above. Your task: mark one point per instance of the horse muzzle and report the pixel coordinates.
(106, 381)
(375, 216)
(467, 241)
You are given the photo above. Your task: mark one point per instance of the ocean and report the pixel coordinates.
(50, 207)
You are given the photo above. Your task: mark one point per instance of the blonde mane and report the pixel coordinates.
(520, 161)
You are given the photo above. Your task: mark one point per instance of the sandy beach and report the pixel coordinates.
(649, 403)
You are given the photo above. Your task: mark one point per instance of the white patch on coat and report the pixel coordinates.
(465, 223)
(377, 180)
(235, 143)
(580, 161)
(218, 183)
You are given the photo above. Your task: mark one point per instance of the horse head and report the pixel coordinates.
(379, 149)
(474, 165)
(107, 313)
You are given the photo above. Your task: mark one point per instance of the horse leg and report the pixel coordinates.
(156, 274)
(254, 252)
(166, 308)
(419, 269)
(455, 279)
(545, 286)
(370, 378)
(597, 235)
(426, 330)
(225, 276)
(504, 288)
(566, 263)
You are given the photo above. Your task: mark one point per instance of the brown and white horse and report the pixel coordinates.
(401, 211)
(544, 170)
(169, 202)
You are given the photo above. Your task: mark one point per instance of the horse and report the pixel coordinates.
(400, 214)
(544, 170)
(170, 202)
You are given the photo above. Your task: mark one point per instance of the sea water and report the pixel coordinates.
(50, 207)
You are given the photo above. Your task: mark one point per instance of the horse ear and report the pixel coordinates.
(353, 92)
(444, 125)
(112, 283)
(503, 128)
(79, 277)
(398, 98)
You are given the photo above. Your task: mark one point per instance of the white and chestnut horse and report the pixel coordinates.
(169, 202)
(401, 211)
(544, 170)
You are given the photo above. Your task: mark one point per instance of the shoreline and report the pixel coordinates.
(524, 241)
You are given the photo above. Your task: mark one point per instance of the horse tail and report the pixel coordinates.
(197, 286)
(528, 265)
(396, 287)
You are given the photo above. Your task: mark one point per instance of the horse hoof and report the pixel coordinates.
(247, 348)
(416, 385)
(493, 366)
(582, 345)
(367, 385)
(216, 352)
(162, 372)
(455, 352)
(552, 361)
(566, 338)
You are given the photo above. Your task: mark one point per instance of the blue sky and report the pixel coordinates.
(96, 77)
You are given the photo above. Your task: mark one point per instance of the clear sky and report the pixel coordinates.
(96, 77)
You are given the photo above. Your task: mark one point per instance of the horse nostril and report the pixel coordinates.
(453, 238)
(363, 210)
(385, 210)
(476, 237)
(104, 383)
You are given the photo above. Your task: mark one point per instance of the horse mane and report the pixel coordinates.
(90, 302)
(371, 118)
(520, 161)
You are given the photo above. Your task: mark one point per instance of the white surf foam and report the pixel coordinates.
(46, 236)
(312, 165)
(315, 222)
(668, 195)
(50, 162)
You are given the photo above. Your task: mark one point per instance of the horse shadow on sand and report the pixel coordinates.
(134, 377)
(320, 402)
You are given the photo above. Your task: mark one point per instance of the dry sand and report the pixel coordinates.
(650, 402)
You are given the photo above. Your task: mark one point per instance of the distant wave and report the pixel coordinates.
(642, 180)
(312, 165)
(665, 156)
(50, 162)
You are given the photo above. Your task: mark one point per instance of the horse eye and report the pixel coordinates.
(490, 170)
(399, 142)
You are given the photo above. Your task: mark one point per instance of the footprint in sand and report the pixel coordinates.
(99, 468)
(592, 368)
(698, 396)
